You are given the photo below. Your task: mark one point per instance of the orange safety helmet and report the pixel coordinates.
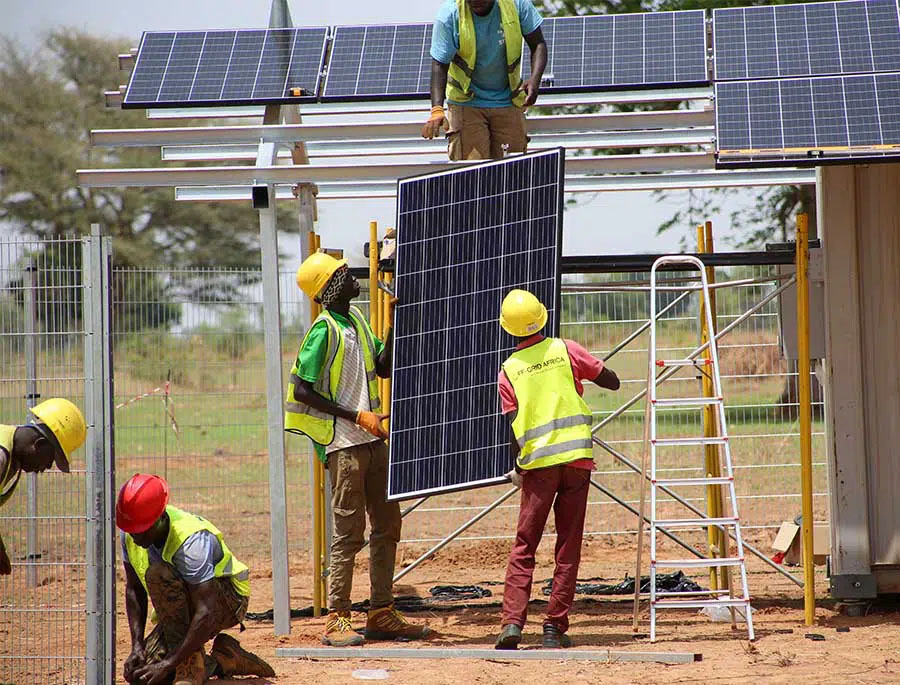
(142, 500)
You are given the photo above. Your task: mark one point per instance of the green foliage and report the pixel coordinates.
(771, 214)
(50, 100)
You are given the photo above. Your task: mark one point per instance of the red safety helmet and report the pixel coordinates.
(142, 500)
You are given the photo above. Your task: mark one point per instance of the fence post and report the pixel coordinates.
(31, 550)
(99, 460)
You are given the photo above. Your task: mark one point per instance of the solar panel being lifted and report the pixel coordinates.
(465, 238)
(246, 67)
(610, 51)
(808, 121)
(814, 39)
(379, 62)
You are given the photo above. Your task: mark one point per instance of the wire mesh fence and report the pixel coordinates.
(43, 616)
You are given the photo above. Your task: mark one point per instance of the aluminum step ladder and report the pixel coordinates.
(730, 525)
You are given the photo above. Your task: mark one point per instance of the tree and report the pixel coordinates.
(50, 99)
(772, 211)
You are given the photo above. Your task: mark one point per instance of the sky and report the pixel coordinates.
(604, 223)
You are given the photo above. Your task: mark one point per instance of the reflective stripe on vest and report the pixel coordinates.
(181, 526)
(6, 442)
(462, 66)
(553, 423)
(319, 426)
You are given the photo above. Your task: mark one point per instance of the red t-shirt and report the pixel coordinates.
(585, 367)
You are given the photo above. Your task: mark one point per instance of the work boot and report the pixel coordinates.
(554, 638)
(235, 660)
(191, 671)
(509, 637)
(339, 631)
(386, 623)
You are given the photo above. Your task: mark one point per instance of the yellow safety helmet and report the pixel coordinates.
(522, 314)
(315, 272)
(66, 424)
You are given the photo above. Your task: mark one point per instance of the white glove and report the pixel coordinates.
(515, 478)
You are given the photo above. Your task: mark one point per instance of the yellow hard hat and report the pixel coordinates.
(315, 272)
(66, 423)
(522, 314)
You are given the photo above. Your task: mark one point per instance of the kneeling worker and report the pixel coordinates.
(476, 53)
(196, 586)
(58, 429)
(333, 398)
(540, 388)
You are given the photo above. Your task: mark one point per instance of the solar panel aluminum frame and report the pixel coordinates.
(378, 97)
(552, 327)
(228, 102)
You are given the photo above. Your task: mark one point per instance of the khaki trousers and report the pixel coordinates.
(482, 132)
(359, 485)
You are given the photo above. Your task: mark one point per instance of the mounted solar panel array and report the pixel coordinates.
(246, 67)
(653, 49)
(464, 239)
(807, 84)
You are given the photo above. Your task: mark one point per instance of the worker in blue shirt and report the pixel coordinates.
(476, 52)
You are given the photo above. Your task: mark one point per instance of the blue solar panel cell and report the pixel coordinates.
(811, 39)
(464, 239)
(255, 66)
(808, 121)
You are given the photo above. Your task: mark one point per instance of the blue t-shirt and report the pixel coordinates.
(195, 561)
(490, 82)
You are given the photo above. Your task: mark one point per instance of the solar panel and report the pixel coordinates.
(612, 51)
(465, 238)
(379, 62)
(245, 67)
(808, 121)
(814, 39)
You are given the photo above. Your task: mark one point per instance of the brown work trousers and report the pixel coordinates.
(171, 600)
(359, 485)
(482, 132)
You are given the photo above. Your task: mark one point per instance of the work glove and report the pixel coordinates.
(434, 125)
(515, 478)
(371, 422)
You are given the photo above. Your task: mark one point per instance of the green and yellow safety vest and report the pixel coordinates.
(6, 442)
(319, 426)
(181, 526)
(553, 423)
(459, 75)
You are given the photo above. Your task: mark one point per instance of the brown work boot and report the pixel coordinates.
(235, 660)
(386, 623)
(339, 631)
(191, 671)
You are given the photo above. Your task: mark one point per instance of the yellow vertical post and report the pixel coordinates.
(712, 533)
(389, 321)
(318, 521)
(722, 537)
(374, 300)
(803, 393)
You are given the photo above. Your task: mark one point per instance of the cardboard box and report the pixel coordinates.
(788, 541)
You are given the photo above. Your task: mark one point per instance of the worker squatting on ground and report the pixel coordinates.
(333, 398)
(58, 429)
(540, 393)
(476, 52)
(196, 586)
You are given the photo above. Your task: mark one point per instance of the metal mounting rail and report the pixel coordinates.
(290, 133)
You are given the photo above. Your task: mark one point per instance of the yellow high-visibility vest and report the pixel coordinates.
(181, 526)
(553, 423)
(319, 426)
(6, 442)
(459, 75)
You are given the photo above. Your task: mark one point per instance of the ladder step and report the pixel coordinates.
(696, 523)
(700, 603)
(675, 442)
(697, 563)
(696, 593)
(674, 482)
(686, 401)
(684, 362)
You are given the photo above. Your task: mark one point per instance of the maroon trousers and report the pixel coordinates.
(565, 488)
